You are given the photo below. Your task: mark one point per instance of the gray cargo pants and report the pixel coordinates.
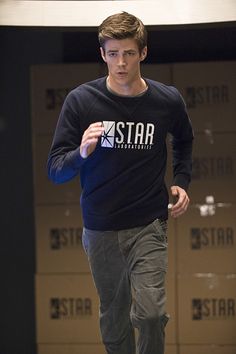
(129, 268)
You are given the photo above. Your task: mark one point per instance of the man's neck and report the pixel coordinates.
(137, 88)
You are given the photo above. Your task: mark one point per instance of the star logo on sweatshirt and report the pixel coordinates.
(108, 136)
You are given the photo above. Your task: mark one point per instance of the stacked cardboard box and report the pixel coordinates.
(206, 248)
(202, 269)
(66, 299)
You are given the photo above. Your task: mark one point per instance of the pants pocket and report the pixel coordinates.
(160, 228)
(85, 241)
(165, 318)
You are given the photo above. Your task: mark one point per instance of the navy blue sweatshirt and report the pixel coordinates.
(123, 179)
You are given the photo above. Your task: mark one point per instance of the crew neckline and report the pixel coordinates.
(126, 96)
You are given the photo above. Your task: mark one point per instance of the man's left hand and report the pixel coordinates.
(182, 202)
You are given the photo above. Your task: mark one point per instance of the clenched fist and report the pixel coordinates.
(90, 139)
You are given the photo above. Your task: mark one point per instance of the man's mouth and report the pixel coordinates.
(122, 73)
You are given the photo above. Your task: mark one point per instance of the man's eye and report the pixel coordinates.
(112, 54)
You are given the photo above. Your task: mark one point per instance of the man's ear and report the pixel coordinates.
(103, 54)
(143, 53)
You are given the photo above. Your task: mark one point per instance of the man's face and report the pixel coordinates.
(123, 61)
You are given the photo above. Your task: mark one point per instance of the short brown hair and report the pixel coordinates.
(121, 26)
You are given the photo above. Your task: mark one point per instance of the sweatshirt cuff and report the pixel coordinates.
(76, 160)
(182, 181)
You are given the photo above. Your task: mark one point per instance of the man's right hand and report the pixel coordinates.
(90, 139)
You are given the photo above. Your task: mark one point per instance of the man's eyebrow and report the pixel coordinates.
(112, 50)
(126, 51)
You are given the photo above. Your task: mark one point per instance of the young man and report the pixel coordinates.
(112, 131)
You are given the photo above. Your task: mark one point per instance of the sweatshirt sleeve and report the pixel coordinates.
(64, 159)
(182, 141)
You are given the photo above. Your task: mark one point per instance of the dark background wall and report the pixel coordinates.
(21, 48)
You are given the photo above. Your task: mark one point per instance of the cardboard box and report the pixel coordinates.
(214, 168)
(59, 240)
(207, 349)
(86, 349)
(45, 192)
(171, 349)
(209, 90)
(67, 309)
(207, 308)
(71, 349)
(50, 84)
(207, 243)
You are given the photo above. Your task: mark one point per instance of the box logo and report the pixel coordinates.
(208, 168)
(70, 308)
(127, 135)
(210, 95)
(213, 309)
(211, 238)
(65, 238)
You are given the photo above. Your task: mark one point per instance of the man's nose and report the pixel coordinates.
(121, 60)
